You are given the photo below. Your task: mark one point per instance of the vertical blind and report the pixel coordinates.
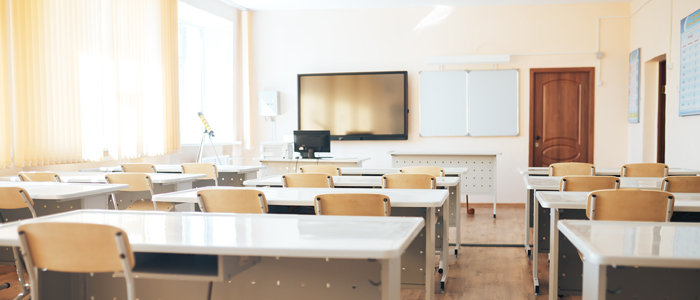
(5, 115)
(90, 76)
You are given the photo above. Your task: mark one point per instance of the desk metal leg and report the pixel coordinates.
(594, 281)
(391, 279)
(429, 253)
(445, 245)
(554, 254)
(495, 190)
(528, 201)
(457, 213)
(535, 250)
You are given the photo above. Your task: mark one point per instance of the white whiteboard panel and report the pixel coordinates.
(493, 103)
(443, 103)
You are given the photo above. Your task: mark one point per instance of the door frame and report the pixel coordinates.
(591, 107)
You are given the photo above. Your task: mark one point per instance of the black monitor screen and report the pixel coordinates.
(310, 141)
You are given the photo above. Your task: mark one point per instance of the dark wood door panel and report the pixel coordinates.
(561, 112)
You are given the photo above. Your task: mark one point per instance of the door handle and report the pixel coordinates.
(537, 138)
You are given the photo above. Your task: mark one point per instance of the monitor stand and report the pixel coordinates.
(308, 154)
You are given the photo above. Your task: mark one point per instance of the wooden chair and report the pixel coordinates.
(408, 181)
(681, 184)
(588, 183)
(571, 168)
(435, 171)
(328, 169)
(76, 248)
(644, 170)
(242, 201)
(210, 170)
(630, 205)
(307, 180)
(352, 205)
(16, 198)
(39, 176)
(138, 168)
(139, 193)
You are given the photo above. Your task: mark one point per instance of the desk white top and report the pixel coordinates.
(63, 191)
(552, 183)
(605, 171)
(174, 168)
(445, 153)
(305, 196)
(382, 171)
(646, 244)
(346, 181)
(314, 160)
(247, 234)
(99, 177)
(578, 200)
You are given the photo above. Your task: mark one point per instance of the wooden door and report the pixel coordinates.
(561, 116)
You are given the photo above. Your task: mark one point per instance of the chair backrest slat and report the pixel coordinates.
(307, 180)
(352, 205)
(328, 169)
(588, 183)
(644, 170)
(681, 184)
(242, 201)
(40, 176)
(409, 181)
(138, 168)
(571, 168)
(434, 171)
(630, 205)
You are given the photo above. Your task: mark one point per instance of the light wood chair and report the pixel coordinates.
(139, 193)
(76, 248)
(408, 181)
(435, 171)
(210, 170)
(328, 169)
(353, 205)
(307, 180)
(139, 168)
(588, 183)
(681, 184)
(644, 170)
(630, 205)
(39, 176)
(571, 168)
(228, 200)
(16, 198)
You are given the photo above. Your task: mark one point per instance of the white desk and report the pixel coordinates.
(228, 175)
(481, 179)
(279, 166)
(572, 205)
(161, 182)
(459, 172)
(544, 171)
(637, 260)
(419, 203)
(250, 256)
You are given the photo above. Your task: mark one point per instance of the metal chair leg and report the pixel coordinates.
(20, 273)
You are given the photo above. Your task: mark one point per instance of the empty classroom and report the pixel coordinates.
(344, 149)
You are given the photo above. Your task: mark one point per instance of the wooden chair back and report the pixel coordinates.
(138, 168)
(409, 181)
(353, 205)
(228, 200)
(76, 248)
(644, 170)
(15, 198)
(138, 182)
(630, 205)
(39, 176)
(681, 184)
(588, 183)
(210, 170)
(434, 171)
(328, 169)
(307, 180)
(571, 168)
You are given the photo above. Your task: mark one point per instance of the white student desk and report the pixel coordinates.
(637, 260)
(572, 205)
(455, 191)
(551, 183)
(481, 179)
(55, 197)
(544, 171)
(418, 261)
(161, 182)
(245, 256)
(228, 175)
(279, 166)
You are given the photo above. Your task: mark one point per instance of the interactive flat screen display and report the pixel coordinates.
(354, 105)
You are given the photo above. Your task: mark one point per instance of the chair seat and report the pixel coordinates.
(148, 205)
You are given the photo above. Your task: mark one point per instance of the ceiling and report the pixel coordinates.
(359, 4)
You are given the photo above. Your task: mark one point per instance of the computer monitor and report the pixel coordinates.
(308, 142)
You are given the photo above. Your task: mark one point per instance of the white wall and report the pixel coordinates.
(286, 43)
